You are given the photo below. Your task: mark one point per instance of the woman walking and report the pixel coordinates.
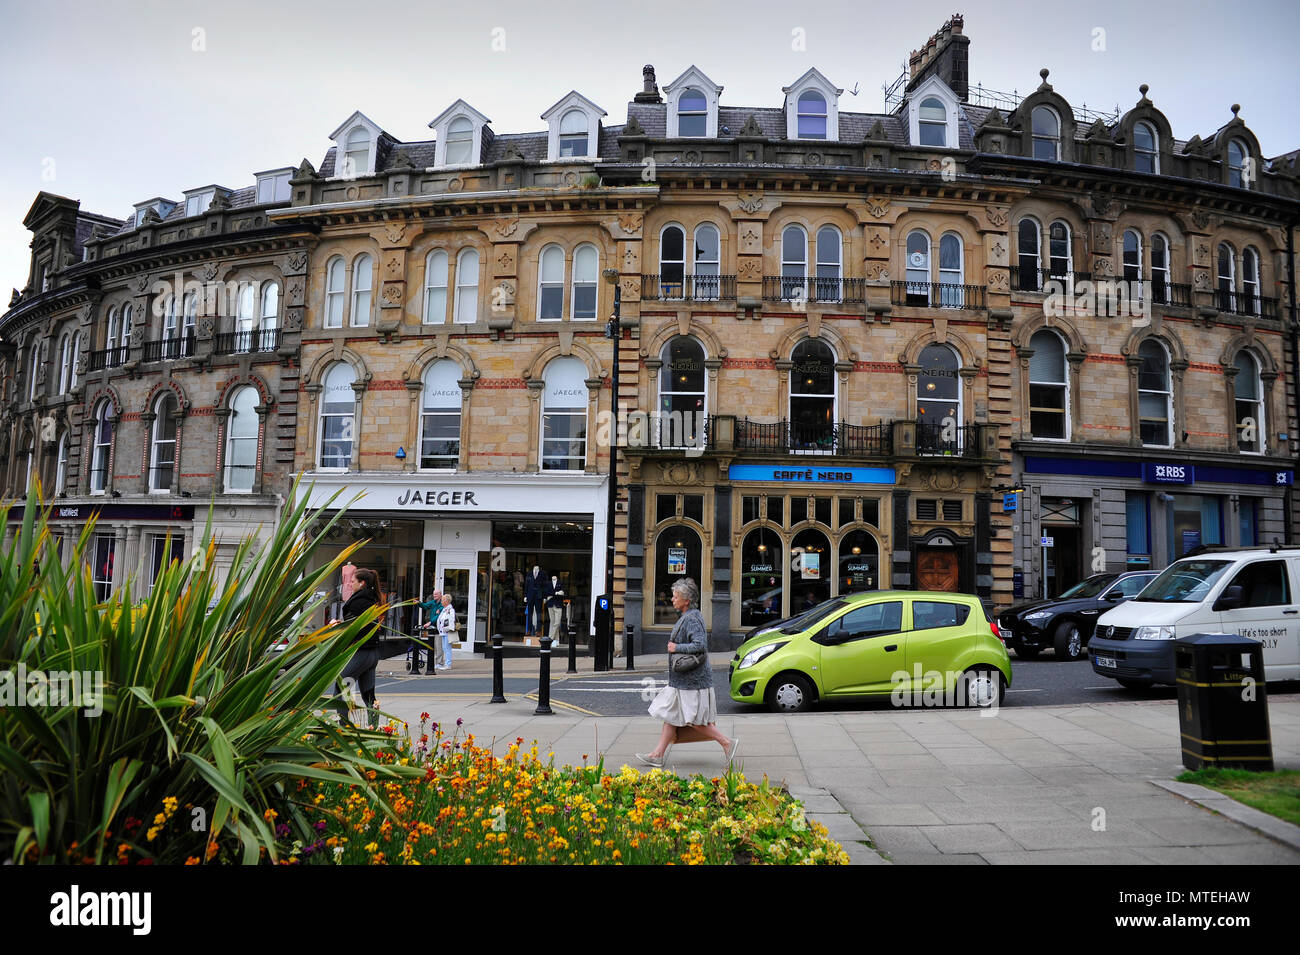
(361, 667)
(687, 705)
(446, 627)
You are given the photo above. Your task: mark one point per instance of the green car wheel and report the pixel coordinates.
(789, 693)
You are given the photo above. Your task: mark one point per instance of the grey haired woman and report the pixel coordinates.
(687, 705)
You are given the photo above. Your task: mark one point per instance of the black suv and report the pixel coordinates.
(1066, 623)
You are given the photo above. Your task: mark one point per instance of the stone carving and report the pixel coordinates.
(691, 156)
(513, 154)
(393, 266)
(1101, 266)
(456, 184)
(141, 283)
(934, 165)
(505, 227)
(1101, 206)
(306, 170)
(206, 327)
(878, 239)
(680, 473)
(631, 289)
(633, 128)
(293, 320)
(812, 159)
(998, 250)
(997, 215)
(1201, 218)
(294, 292)
(630, 223)
(750, 269)
(393, 293)
(630, 259)
(750, 202)
(570, 179)
(750, 130)
(751, 240)
(297, 261)
(998, 281)
(1202, 280)
(505, 260)
(394, 231)
(879, 208)
(876, 134)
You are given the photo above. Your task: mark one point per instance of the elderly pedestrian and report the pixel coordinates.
(446, 629)
(688, 705)
(433, 655)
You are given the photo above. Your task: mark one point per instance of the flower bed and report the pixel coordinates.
(472, 807)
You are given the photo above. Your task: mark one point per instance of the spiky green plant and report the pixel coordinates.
(194, 708)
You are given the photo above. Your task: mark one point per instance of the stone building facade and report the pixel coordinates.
(854, 350)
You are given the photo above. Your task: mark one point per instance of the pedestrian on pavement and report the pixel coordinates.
(433, 654)
(361, 667)
(446, 627)
(688, 705)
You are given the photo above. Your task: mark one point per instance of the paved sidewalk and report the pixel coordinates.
(1067, 784)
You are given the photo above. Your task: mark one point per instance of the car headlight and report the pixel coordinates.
(753, 656)
(1037, 615)
(1153, 633)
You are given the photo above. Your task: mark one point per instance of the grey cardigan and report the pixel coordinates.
(691, 637)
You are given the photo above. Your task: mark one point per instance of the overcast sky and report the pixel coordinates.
(116, 102)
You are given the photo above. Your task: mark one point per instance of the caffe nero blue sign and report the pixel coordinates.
(811, 475)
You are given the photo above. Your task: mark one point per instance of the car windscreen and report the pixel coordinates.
(1090, 587)
(1187, 581)
(814, 616)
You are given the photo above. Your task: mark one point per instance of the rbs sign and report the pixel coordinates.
(1168, 473)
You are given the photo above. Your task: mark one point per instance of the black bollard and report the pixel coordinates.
(498, 676)
(629, 634)
(573, 646)
(544, 681)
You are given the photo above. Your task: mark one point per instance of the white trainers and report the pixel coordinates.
(730, 754)
(656, 761)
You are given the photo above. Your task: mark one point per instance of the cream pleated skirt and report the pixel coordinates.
(685, 707)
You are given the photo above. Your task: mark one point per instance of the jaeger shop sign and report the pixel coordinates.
(513, 494)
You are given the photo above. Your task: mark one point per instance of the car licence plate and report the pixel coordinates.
(1105, 661)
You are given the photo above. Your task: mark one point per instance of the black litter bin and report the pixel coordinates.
(1222, 703)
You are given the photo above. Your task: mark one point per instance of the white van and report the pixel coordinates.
(1251, 592)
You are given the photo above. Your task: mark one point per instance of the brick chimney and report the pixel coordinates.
(649, 88)
(945, 54)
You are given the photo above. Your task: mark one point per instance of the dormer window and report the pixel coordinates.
(197, 203)
(356, 154)
(163, 207)
(692, 113)
(1237, 154)
(573, 134)
(1046, 133)
(933, 122)
(812, 115)
(1146, 152)
(273, 185)
(458, 135)
(692, 105)
(354, 150)
(574, 127)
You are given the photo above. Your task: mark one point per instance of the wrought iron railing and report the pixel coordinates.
(813, 290)
(169, 349)
(1035, 280)
(784, 437)
(248, 340)
(690, 288)
(947, 440)
(937, 294)
(107, 358)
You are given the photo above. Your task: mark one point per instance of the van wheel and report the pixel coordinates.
(789, 693)
(984, 687)
(1068, 641)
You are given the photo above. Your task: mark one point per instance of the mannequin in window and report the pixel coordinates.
(534, 590)
(555, 598)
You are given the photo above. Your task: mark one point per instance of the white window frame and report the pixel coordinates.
(61, 465)
(577, 281)
(269, 314)
(1031, 284)
(914, 274)
(465, 289)
(590, 114)
(1035, 137)
(197, 203)
(1153, 153)
(1064, 385)
(441, 126)
(664, 286)
(959, 414)
(189, 323)
(704, 267)
(1168, 396)
(362, 298)
(1165, 272)
(812, 82)
(693, 78)
(341, 136)
(575, 411)
(933, 86)
(234, 440)
(552, 282)
(1231, 277)
(76, 356)
(802, 113)
(1251, 303)
(828, 288)
(101, 451)
(1259, 410)
(794, 288)
(834, 395)
(335, 295)
(35, 367)
(276, 181)
(428, 411)
(951, 294)
(156, 442)
(665, 357)
(65, 355)
(432, 272)
(350, 432)
(1237, 172)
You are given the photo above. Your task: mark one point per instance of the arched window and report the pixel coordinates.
(1060, 256)
(1155, 396)
(952, 288)
(564, 415)
(812, 115)
(1132, 256)
(363, 272)
(102, 439)
(356, 156)
(683, 398)
(110, 334)
(677, 555)
(245, 320)
(573, 133)
(61, 468)
(1025, 275)
(170, 328)
(76, 356)
(810, 582)
(435, 287)
(1046, 133)
(124, 341)
(65, 362)
(1160, 291)
(672, 262)
(939, 413)
(1249, 395)
(582, 299)
(550, 284)
(918, 268)
(28, 462)
(241, 441)
(1227, 278)
(190, 320)
(813, 394)
(1237, 156)
(794, 264)
(705, 279)
(1249, 281)
(270, 321)
(762, 580)
(1049, 387)
(34, 369)
(460, 142)
(162, 452)
(1146, 148)
(692, 113)
(859, 562)
(830, 273)
(933, 122)
(334, 278)
(440, 416)
(338, 410)
(467, 287)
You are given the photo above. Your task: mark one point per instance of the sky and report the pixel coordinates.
(117, 101)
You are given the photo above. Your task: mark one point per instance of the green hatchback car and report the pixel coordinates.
(919, 648)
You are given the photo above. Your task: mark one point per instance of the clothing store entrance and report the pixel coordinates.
(451, 560)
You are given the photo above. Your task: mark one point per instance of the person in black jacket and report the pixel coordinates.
(363, 663)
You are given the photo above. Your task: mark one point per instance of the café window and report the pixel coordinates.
(810, 553)
(812, 396)
(859, 563)
(682, 394)
(938, 399)
(677, 555)
(762, 582)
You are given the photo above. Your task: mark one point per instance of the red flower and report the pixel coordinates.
(423, 717)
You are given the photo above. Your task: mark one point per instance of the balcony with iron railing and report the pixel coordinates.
(814, 290)
(936, 295)
(793, 437)
(945, 440)
(689, 288)
(1028, 279)
(169, 349)
(1245, 303)
(247, 341)
(107, 358)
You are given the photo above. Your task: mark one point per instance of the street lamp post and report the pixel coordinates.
(614, 332)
